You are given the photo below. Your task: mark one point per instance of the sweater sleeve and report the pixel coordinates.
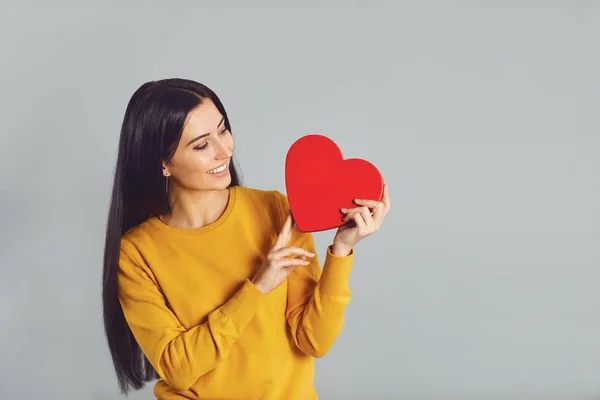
(180, 355)
(317, 297)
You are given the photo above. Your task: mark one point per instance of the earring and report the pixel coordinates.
(167, 183)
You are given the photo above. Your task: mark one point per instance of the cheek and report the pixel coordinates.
(198, 161)
(204, 162)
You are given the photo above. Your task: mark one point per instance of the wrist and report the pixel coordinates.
(340, 249)
(257, 285)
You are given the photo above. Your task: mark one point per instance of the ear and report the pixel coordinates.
(165, 170)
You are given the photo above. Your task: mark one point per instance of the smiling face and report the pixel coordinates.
(201, 160)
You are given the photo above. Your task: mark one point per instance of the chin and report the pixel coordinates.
(226, 183)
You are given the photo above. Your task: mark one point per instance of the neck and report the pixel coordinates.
(195, 209)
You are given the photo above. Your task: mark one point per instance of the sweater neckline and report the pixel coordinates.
(164, 227)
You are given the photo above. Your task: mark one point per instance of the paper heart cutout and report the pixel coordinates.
(319, 181)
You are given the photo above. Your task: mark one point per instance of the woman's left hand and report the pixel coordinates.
(367, 219)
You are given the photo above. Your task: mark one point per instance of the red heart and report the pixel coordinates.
(319, 182)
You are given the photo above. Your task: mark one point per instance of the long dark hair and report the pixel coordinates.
(151, 130)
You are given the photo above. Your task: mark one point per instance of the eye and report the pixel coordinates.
(201, 147)
(223, 131)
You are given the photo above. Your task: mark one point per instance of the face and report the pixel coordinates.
(201, 161)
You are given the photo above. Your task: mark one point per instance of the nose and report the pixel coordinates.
(222, 151)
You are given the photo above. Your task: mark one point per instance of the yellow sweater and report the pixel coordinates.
(206, 329)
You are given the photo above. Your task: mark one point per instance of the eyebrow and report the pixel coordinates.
(204, 134)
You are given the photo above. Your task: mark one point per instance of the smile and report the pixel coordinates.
(217, 170)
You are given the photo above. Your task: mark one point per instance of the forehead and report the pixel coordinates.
(202, 119)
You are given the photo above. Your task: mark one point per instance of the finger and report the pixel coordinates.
(285, 234)
(386, 199)
(377, 208)
(368, 203)
(289, 268)
(367, 218)
(351, 210)
(350, 217)
(288, 251)
(350, 213)
(289, 262)
(360, 210)
(379, 212)
(360, 223)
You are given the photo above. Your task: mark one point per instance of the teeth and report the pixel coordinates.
(217, 170)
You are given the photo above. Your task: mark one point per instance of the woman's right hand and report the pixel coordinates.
(278, 264)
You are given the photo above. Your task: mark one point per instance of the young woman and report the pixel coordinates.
(207, 285)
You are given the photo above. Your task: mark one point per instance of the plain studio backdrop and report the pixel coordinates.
(482, 116)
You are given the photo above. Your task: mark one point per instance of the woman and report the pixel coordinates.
(207, 285)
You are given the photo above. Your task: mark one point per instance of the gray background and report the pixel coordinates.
(482, 116)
